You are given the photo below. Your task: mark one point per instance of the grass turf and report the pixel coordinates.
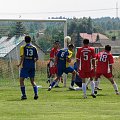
(59, 103)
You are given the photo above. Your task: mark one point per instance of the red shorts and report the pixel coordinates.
(53, 70)
(107, 75)
(90, 74)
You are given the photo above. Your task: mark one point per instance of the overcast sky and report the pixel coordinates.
(55, 8)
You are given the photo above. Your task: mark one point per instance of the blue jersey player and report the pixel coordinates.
(28, 57)
(63, 59)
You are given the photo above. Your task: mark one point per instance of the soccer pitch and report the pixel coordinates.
(59, 103)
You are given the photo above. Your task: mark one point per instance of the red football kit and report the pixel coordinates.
(104, 59)
(84, 56)
(53, 68)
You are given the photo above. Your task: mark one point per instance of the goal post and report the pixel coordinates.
(42, 20)
(8, 62)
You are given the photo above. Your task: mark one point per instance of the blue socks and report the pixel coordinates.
(53, 83)
(23, 90)
(35, 88)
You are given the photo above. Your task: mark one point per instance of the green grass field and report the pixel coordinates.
(59, 103)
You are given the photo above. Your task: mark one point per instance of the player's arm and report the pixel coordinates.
(93, 63)
(56, 59)
(78, 59)
(21, 56)
(93, 58)
(36, 55)
(78, 63)
(110, 66)
(68, 59)
(111, 61)
(52, 56)
(21, 61)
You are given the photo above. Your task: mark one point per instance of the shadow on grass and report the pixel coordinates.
(102, 95)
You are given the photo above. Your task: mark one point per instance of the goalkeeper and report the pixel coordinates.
(78, 80)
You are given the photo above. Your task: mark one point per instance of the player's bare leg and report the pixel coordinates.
(114, 85)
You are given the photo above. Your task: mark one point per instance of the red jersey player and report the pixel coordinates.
(53, 53)
(104, 67)
(86, 62)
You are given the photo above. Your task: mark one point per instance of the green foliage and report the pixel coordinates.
(54, 30)
(44, 43)
(115, 34)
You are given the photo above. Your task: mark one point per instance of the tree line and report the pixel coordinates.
(44, 34)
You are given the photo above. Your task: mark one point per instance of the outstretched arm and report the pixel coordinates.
(21, 61)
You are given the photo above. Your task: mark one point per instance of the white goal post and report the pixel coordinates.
(41, 20)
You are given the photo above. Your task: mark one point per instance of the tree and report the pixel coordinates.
(19, 29)
(89, 26)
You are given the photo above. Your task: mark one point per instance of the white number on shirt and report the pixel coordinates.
(62, 54)
(85, 55)
(103, 58)
(29, 52)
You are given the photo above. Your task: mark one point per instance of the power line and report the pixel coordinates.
(90, 10)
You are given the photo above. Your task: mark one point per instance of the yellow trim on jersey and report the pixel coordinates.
(69, 56)
(22, 50)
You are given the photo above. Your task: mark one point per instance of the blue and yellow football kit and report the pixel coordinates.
(30, 54)
(62, 64)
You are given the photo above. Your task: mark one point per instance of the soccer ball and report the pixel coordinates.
(67, 39)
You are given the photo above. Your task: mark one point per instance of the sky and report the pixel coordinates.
(42, 9)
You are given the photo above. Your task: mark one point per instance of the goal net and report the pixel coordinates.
(43, 34)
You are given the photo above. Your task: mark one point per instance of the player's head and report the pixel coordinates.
(56, 44)
(108, 48)
(71, 47)
(85, 41)
(27, 39)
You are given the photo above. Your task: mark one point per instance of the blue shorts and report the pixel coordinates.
(62, 70)
(27, 72)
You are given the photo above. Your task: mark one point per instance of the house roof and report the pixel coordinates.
(110, 42)
(92, 37)
(6, 45)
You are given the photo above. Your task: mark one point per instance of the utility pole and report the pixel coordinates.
(116, 9)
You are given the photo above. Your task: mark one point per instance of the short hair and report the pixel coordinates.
(57, 41)
(108, 47)
(71, 46)
(27, 39)
(86, 41)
